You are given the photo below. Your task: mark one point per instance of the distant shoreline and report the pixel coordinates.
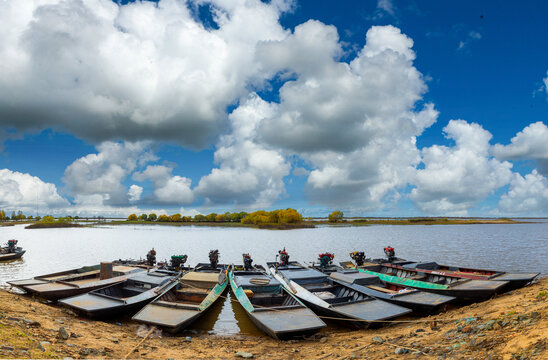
(306, 224)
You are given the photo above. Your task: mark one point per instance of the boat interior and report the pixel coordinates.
(192, 288)
(414, 275)
(334, 293)
(263, 291)
(134, 286)
(86, 274)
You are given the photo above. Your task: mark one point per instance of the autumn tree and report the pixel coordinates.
(164, 218)
(289, 216)
(2, 215)
(132, 217)
(220, 218)
(336, 216)
(176, 217)
(199, 218)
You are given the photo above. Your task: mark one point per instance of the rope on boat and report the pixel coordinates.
(139, 344)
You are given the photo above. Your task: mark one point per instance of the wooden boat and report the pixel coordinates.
(73, 282)
(464, 290)
(125, 297)
(332, 297)
(11, 251)
(274, 310)
(515, 280)
(419, 301)
(186, 300)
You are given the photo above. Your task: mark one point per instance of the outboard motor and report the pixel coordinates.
(358, 257)
(213, 258)
(151, 257)
(248, 262)
(284, 257)
(390, 253)
(12, 246)
(178, 261)
(326, 259)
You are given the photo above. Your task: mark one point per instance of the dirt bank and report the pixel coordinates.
(510, 326)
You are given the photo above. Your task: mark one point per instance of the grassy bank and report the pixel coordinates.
(419, 221)
(282, 226)
(46, 225)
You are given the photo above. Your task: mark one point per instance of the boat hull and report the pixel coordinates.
(280, 322)
(174, 317)
(12, 256)
(122, 298)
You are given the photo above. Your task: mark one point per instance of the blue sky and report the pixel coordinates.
(377, 108)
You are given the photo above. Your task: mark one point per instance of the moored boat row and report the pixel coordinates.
(289, 299)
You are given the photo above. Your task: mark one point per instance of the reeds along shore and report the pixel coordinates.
(510, 326)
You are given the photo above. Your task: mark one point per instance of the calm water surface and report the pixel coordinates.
(512, 247)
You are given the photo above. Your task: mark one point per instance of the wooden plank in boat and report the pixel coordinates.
(382, 289)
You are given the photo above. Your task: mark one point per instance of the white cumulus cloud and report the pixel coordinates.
(528, 195)
(168, 189)
(456, 178)
(529, 144)
(97, 178)
(354, 123)
(19, 191)
(134, 193)
(143, 70)
(249, 174)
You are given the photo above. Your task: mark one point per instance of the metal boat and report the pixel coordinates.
(332, 297)
(464, 290)
(11, 251)
(515, 280)
(419, 301)
(186, 300)
(274, 310)
(125, 297)
(73, 282)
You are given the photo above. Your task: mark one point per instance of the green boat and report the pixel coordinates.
(464, 290)
(271, 308)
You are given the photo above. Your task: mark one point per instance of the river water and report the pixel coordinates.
(506, 247)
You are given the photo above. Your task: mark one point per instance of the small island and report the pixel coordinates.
(281, 219)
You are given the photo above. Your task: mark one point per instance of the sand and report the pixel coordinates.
(510, 326)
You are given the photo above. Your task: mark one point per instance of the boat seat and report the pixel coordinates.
(338, 300)
(382, 289)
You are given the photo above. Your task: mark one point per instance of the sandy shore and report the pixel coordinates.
(510, 326)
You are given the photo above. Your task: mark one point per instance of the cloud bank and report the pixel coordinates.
(131, 77)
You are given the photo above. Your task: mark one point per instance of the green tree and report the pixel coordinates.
(187, 218)
(336, 216)
(143, 217)
(132, 217)
(152, 217)
(199, 218)
(211, 217)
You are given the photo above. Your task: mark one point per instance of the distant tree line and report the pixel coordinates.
(19, 216)
(257, 217)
